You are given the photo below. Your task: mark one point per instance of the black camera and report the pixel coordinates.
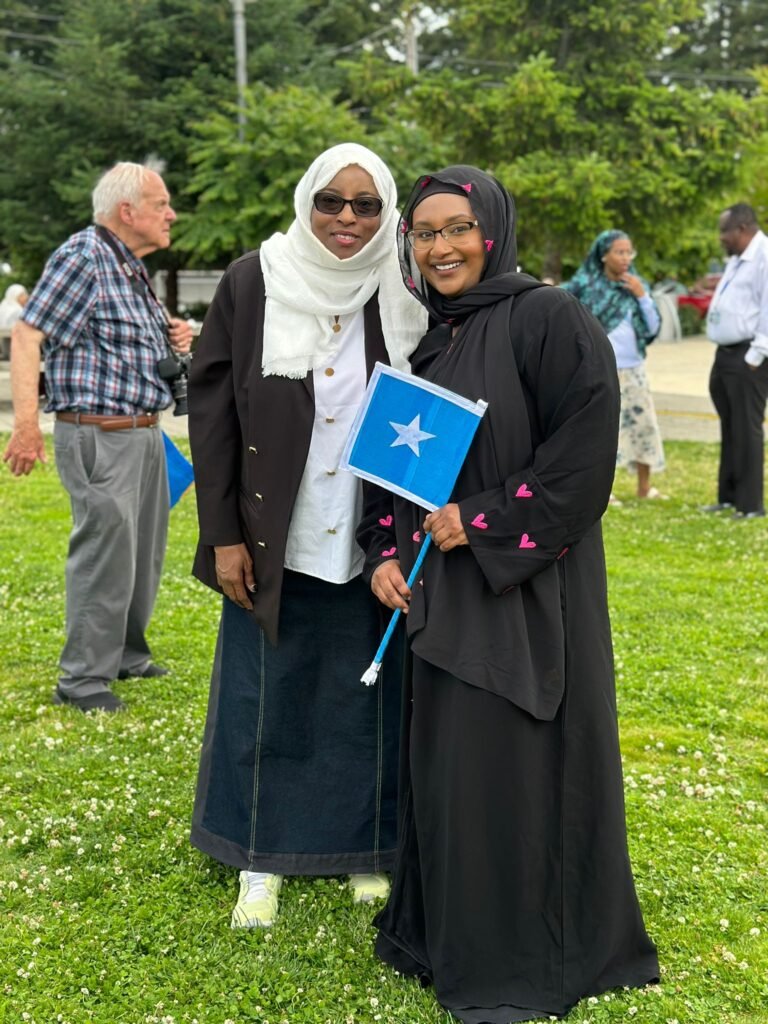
(174, 369)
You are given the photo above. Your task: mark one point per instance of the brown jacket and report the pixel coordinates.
(250, 435)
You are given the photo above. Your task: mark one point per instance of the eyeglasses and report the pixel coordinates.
(362, 206)
(621, 253)
(454, 234)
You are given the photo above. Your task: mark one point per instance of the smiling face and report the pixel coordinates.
(344, 233)
(618, 259)
(450, 268)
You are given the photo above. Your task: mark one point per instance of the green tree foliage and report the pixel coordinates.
(567, 102)
(84, 83)
(244, 189)
(728, 39)
(561, 101)
(117, 81)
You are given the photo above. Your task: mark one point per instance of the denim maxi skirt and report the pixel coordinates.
(298, 772)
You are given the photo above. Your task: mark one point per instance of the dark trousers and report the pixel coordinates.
(739, 395)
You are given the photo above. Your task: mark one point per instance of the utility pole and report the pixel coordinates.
(241, 76)
(411, 27)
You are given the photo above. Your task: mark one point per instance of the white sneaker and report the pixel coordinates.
(256, 905)
(367, 888)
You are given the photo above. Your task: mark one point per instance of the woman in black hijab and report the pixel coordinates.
(513, 892)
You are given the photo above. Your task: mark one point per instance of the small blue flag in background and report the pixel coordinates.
(180, 474)
(411, 436)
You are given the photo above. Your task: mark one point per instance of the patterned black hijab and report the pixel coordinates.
(494, 210)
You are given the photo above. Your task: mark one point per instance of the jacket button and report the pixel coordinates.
(330, 371)
(330, 419)
(330, 530)
(259, 496)
(261, 543)
(330, 472)
(255, 451)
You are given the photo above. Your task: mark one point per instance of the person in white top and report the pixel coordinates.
(11, 309)
(298, 774)
(737, 322)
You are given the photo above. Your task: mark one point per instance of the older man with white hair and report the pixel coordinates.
(97, 323)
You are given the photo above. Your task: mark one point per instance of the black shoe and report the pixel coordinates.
(720, 506)
(103, 701)
(749, 515)
(151, 671)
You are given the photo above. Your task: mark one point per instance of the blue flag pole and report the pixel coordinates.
(371, 674)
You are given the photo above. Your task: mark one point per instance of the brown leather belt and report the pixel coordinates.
(144, 419)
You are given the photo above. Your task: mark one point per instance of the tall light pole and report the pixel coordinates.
(411, 33)
(241, 76)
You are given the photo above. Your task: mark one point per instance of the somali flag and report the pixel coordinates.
(180, 474)
(411, 436)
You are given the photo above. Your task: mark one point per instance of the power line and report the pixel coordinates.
(36, 17)
(9, 34)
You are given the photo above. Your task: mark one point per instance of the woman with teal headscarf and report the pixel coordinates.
(610, 287)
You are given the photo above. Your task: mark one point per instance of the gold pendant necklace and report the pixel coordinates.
(336, 325)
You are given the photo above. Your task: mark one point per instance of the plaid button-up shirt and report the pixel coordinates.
(102, 337)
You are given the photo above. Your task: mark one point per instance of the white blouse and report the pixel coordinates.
(328, 507)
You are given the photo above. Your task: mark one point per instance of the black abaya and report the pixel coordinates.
(513, 892)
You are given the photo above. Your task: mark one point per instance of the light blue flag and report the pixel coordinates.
(180, 474)
(411, 436)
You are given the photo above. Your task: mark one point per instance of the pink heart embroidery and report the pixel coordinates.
(488, 244)
(523, 492)
(391, 551)
(468, 187)
(410, 282)
(479, 521)
(426, 181)
(386, 521)
(404, 227)
(526, 542)
(417, 536)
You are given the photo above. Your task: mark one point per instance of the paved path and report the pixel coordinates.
(679, 376)
(678, 371)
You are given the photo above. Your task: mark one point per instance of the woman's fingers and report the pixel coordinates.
(446, 527)
(389, 586)
(234, 572)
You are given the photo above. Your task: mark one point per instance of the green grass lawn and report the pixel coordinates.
(107, 914)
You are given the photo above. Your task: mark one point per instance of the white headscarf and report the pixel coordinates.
(10, 307)
(307, 285)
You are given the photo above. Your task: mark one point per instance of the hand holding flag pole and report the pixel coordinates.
(371, 674)
(411, 437)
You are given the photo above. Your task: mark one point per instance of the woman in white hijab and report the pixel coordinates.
(299, 762)
(10, 310)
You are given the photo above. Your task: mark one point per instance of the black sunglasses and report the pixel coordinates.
(362, 206)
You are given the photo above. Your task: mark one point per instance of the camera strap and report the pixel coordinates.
(139, 282)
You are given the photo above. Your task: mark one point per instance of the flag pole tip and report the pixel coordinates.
(371, 674)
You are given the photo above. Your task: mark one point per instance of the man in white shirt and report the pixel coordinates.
(737, 322)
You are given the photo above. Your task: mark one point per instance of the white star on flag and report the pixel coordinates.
(410, 434)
